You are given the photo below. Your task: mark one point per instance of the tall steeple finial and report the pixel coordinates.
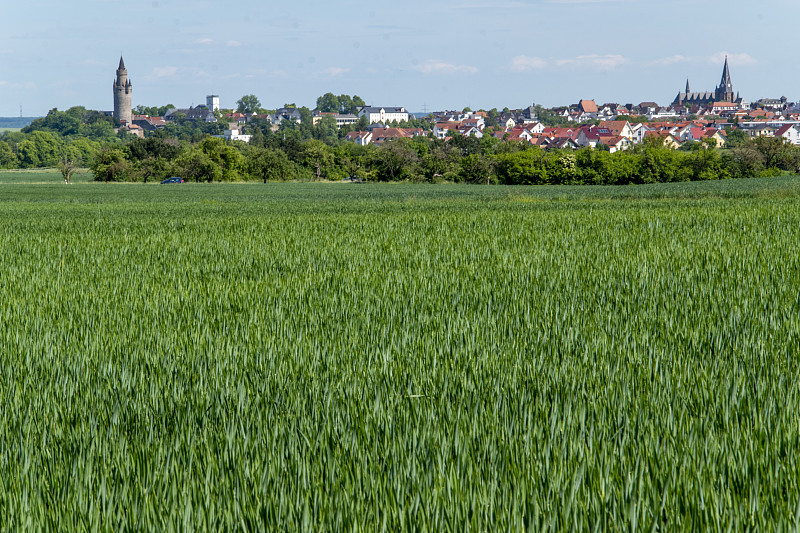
(121, 64)
(687, 86)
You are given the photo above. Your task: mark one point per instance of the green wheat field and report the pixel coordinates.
(365, 357)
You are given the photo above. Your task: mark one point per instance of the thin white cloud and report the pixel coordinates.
(204, 40)
(233, 43)
(436, 66)
(335, 72)
(164, 72)
(587, 1)
(525, 63)
(19, 85)
(671, 60)
(172, 72)
(488, 5)
(594, 61)
(713, 59)
(735, 59)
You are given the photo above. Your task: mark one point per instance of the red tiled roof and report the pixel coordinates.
(613, 140)
(588, 106)
(615, 126)
(382, 134)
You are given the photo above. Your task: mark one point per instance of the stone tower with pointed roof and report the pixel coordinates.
(122, 94)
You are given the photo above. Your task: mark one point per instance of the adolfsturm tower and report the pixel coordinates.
(122, 94)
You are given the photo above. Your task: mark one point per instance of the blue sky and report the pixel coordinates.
(413, 53)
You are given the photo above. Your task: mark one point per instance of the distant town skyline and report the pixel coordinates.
(434, 54)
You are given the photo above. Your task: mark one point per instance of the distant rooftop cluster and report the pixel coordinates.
(691, 117)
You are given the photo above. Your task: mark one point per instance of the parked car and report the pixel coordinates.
(173, 179)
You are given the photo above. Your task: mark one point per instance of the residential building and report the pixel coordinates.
(440, 129)
(212, 102)
(381, 135)
(361, 138)
(790, 132)
(236, 135)
(148, 123)
(200, 112)
(285, 113)
(341, 120)
(384, 114)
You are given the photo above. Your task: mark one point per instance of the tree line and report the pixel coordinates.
(307, 151)
(427, 159)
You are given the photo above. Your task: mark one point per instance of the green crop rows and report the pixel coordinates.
(358, 357)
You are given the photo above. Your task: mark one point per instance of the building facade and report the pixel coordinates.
(384, 115)
(122, 95)
(212, 102)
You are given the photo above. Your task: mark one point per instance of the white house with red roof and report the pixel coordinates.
(616, 143)
(723, 108)
(380, 135)
(588, 136)
(470, 131)
(638, 132)
(790, 132)
(440, 129)
(536, 128)
(361, 138)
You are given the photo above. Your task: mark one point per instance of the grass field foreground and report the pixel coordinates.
(398, 357)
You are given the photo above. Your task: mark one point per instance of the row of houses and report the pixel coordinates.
(373, 115)
(615, 135)
(589, 110)
(380, 135)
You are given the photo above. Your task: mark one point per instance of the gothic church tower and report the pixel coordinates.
(724, 92)
(122, 94)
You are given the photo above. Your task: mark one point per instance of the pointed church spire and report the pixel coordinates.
(121, 64)
(687, 86)
(726, 77)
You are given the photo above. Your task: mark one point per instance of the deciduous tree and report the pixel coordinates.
(248, 104)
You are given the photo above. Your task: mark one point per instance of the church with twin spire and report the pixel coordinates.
(723, 92)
